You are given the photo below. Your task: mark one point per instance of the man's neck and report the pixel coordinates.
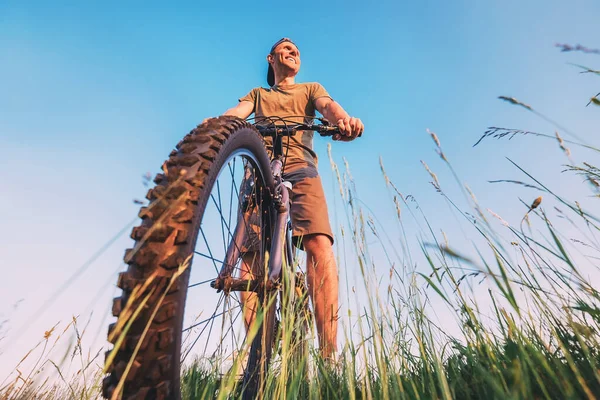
(286, 81)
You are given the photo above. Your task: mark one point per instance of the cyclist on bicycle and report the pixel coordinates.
(310, 222)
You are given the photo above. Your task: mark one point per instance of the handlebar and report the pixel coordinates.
(323, 130)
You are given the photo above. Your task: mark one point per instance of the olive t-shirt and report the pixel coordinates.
(294, 103)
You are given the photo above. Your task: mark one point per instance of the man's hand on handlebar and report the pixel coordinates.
(350, 129)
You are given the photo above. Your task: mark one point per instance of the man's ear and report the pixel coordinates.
(270, 58)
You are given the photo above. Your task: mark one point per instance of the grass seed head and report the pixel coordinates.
(561, 143)
(536, 203)
(435, 138)
(516, 102)
(47, 334)
(435, 182)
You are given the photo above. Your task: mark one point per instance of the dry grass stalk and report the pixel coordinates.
(564, 47)
(516, 102)
(437, 143)
(561, 143)
(435, 182)
(498, 217)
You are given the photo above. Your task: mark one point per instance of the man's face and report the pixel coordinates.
(285, 58)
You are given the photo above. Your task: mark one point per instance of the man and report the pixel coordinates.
(310, 222)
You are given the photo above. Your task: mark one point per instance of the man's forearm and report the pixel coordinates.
(350, 128)
(242, 110)
(334, 112)
(234, 112)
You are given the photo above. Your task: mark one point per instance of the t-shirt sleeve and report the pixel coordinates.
(317, 90)
(251, 97)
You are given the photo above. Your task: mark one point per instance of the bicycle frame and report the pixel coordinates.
(281, 231)
(282, 227)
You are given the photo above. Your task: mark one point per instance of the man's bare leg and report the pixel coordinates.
(249, 299)
(323, 289)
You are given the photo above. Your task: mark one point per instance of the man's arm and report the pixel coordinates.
(242, 110)
(350, 127)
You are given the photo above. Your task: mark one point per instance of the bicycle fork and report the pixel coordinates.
(281, 234)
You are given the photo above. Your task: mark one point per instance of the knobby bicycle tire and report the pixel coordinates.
(147, 336)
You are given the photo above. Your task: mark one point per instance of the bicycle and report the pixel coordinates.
(151, 336)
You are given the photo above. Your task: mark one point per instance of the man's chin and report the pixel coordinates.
(291, 71)
(291, 66)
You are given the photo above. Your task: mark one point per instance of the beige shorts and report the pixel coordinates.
(308, 210)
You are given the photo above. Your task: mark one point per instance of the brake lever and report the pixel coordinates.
(324, 121)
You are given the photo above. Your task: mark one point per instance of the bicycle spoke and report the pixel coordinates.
(201, 283)
(209, 257)
(234, 341)
(231, 326)
(246, 227)
(223, 222)
(223, 323)
(210, 332)
(212, 320)
(209, 250)
(222, 219)
(206, 320)
(225, 303)
(233, 178)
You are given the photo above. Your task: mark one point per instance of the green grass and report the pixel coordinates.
(539, 339)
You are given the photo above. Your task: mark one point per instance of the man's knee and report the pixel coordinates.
(316, 242)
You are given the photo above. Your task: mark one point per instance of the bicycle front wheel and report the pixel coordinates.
(169, 318)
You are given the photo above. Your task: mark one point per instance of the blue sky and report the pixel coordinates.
(93, 95)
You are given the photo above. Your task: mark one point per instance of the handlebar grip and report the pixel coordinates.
(332, 130)
(328, 130)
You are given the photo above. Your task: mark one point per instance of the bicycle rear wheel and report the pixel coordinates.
(168, 314)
